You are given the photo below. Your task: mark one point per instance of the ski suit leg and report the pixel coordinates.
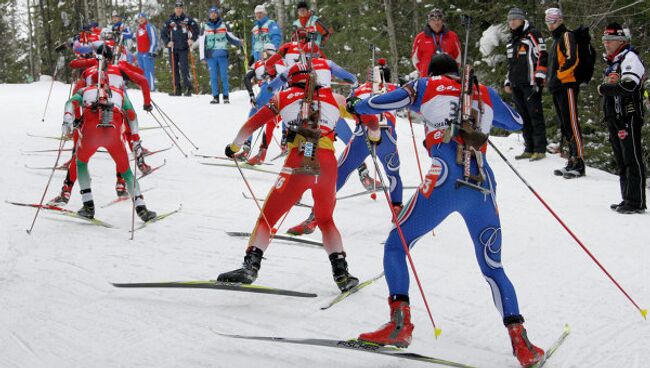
(324, 194)
(519, 98)
(353, 156)
(212, 68)
(183, 59)
(387, 154)
(343, 131)
(262, 99)
(482, 220)
(286, 191)
(175, 68)
(566, 106)
(222, 65)
(148, 67)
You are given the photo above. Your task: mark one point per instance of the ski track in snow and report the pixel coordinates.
(59, 310)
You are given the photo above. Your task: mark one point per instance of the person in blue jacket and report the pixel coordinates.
(459, 180)
(119, 27)
(264, 31)
(147, 44)
(178, 34)
(214, 51)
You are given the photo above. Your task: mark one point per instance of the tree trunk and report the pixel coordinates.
(392, 40)
(281, 17)
(416, 18)
(85, 20)
(101, 13)
(48, 37)
(31, 40)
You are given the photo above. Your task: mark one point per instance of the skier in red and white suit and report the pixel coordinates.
(290, 185)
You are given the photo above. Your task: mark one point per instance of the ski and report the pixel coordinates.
(281, 154)
(153, 169)
(121, 199)
(243, 166)
(64, 212)
(60, 167)
(54, 150)
(290, 238)
(47, 137)
(353, 344)
(553, 348)
(346, 294)
(158, 218)
(368, 192)
(299, 204)
(212, 284)
(152, 127)
(216, 157)
(151, 153)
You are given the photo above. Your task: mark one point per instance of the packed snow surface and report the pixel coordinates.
(60, 310)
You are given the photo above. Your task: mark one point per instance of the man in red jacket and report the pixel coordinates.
(436, 38)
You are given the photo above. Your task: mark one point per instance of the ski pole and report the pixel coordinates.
(164, 115)
(415, 147)
(135, 185)
(49, 180)
(436, 331)
(47, 102)
(166, 125)
(169, 135)
(257, 203)
(196, 79)
(171, 54)
(644, 312)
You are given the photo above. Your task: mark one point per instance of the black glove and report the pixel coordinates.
(252, 99)
(230, 152)
(147, 107)
(77, 122)
(350, 103)
(539, 82)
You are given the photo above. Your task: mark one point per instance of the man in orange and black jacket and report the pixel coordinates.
(561, 81)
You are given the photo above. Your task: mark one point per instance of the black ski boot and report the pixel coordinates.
(144, 214)
(215, 100)
(342, 277)
(226, 100)
(88, 210)
(576, 170)
(248, 272)
(188, 92)
(565, 169)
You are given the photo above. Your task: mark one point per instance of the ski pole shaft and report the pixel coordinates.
(164, 114)
(47, 102)
(436, 330)
(171, 53)
(644, 312)
(167, 125)
(132, 193)
(169, 135)
(250, 190)
(196, 79)
(415, 148)
(47, 186)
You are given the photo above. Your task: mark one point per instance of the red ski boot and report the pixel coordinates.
(398, 331)
(527, 353)
(259, 158)
(120, 187)
(306, 227)
(63, 198)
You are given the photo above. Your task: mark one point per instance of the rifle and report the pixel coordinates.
(102, 102)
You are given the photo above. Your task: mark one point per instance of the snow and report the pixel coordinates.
(490, 40)
(59, 310)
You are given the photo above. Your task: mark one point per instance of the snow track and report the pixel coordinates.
(59, 310)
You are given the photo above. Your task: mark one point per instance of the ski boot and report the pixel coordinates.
(215, 100)
(565, 169)
(243, 154)
(139, 157)
(398, 330)
(576, 170)
(63, 198)
(259, 158)
(367, 182)
(144, 214)
(120, 187)
(527, 353)
(342, 277)
(226, 100)
(537, 156)
(615, 206)
(188, 92)
(628, 209)
(248, 272)
(306, 227)
(88, 210)
(525, 155)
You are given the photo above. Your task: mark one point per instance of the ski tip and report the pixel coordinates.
(437, 331)
(567, 328)
(644, 313)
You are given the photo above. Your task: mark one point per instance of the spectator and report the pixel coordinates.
(561, 81)
(264, 31)
(623, 109)
(178, 34)
(436, 38)
(214, 50)
(119, 28)
(527, 60)
(147, 43)
(313, 24)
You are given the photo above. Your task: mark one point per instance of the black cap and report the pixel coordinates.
(302, 5)
(178, 4)
(442, 64)
(614, 32)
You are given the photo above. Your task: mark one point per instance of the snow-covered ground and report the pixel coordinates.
(57, 308)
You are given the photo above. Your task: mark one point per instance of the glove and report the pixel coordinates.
(231, 149)
(147, 107)
(374, 139)
(66, 129)
(539, 82)
(350, 103)
(252, 99)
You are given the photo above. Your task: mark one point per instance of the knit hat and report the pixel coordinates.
(552, 15)
(436, 13)
(213, 9)
(260, 9)
(142, 15)
(178, 4)
(302, 5)
(614, 32)
(115, 13)
(516, 13)
(269, 47)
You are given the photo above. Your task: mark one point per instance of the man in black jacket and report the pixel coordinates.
(623, 108)
(178, 33)
(561, 81)
(527, 59)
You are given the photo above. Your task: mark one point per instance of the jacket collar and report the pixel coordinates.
(429, 32)
(261, 22)
(620, 54)
(559, 31)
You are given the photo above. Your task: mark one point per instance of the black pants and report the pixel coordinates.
(566, 107)
(529, 106)
(180, 65)
(628, 153)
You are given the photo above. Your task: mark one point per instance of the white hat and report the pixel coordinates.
(269, 46)
(260, 9)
